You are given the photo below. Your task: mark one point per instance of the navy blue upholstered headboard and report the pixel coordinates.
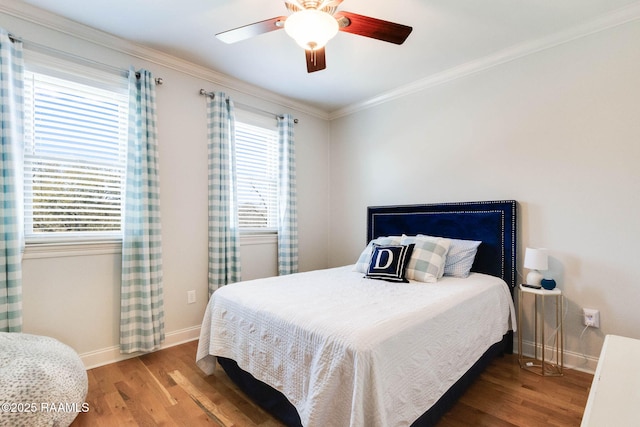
(492, 222)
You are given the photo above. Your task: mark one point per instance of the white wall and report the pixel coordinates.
(75, 297)
(558, 130)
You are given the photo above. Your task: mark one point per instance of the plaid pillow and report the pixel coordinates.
(428, 259)
(389, 262)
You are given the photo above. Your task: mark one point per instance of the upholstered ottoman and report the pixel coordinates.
(42, 381)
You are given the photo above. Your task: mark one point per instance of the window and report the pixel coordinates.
(75, 157)
(257, 175)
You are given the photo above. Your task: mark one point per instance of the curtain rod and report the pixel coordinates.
(59, 53)
(246, 107)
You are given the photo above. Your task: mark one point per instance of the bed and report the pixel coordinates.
(335, 348)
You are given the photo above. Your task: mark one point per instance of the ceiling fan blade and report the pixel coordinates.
(252, 30)
(316, 60)
(373, 28)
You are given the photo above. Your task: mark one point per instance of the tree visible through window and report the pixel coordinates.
(75, 157)
(257, 175)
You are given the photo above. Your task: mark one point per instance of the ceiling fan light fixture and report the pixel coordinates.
(311, 28)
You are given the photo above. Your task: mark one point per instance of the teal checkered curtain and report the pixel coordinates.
(287, 205)
(11, 222)
(141, 307)
(224, 238)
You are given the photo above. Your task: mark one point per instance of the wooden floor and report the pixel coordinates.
(167, 388)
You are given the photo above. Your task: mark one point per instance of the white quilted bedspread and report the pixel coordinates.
(350, 351)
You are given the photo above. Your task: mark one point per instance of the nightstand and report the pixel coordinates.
(538, 363)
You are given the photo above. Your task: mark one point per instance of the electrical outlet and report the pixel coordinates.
(191, 297)
(591, 317)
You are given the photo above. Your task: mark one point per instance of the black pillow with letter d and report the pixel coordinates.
(389, 262)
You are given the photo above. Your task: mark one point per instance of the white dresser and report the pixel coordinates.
(614, 399)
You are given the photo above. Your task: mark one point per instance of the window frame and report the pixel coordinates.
(76, 243)
(261, 235)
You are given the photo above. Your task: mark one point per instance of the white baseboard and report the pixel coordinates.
(94, 359)
(104, 356)
(572, 360)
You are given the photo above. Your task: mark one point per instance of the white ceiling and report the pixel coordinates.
(447, 34)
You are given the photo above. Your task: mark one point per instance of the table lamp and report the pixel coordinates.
(535, 260)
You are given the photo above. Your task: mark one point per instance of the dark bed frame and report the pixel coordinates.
(491, 222)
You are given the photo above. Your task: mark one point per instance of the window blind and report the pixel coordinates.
(75, 158)
(257, 177)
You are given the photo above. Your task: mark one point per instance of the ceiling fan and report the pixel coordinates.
(313, 23)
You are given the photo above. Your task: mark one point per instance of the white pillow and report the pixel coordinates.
(362, 265)
(428, 258)
(460, 258)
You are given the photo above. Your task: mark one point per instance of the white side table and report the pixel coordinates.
(538, 363)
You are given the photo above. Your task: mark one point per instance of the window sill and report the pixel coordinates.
(71, 249)
(112, 247)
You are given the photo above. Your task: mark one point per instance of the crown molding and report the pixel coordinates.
(610, 20)
(83, 32)
(62, 25)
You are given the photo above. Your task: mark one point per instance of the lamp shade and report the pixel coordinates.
(311, 28)
(536, 259)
